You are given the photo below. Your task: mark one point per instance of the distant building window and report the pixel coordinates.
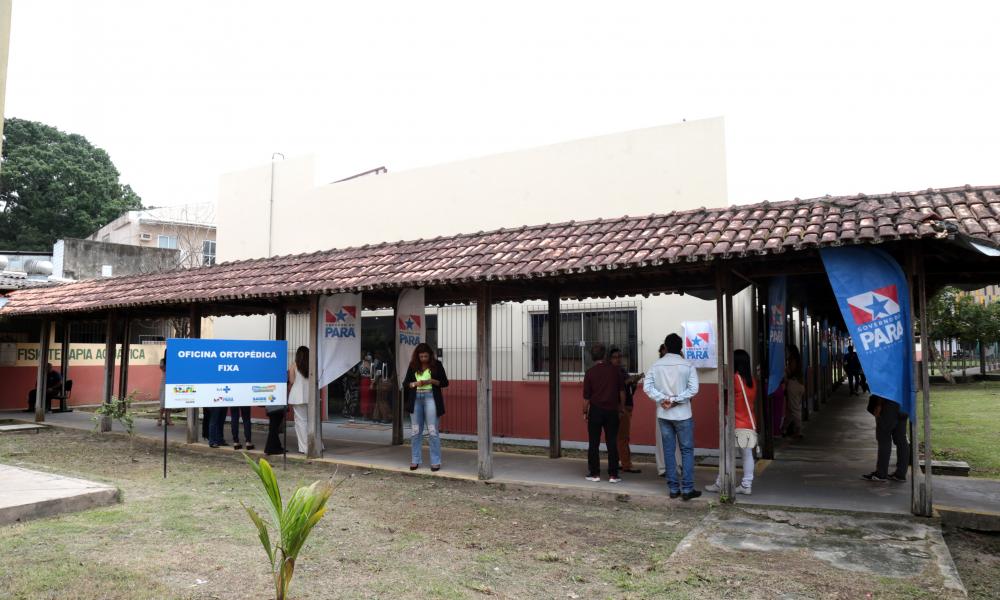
(208, 252)
(166, 241)
(579, 331)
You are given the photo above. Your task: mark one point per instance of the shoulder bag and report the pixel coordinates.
(746, 438)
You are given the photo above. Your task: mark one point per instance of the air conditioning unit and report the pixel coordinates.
(145, 237)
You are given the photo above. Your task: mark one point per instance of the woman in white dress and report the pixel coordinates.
(298, 397)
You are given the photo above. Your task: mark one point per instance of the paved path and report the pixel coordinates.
(27, 494)
(823, 470)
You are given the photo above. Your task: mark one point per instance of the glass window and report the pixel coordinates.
(166, 241)
(579, 331)
(208, 252)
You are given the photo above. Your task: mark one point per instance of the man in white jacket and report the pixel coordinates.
(672, 382)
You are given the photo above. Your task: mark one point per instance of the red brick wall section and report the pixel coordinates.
(88, 383)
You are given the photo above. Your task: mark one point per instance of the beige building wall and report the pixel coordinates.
(654, 170)
(190, 227)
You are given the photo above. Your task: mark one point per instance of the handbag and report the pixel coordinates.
(746, 438)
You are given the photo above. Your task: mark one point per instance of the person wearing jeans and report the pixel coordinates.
(890, 428)
(423, 382)
(671, 382)
(234, 416)
(216, 425)
(603, 404)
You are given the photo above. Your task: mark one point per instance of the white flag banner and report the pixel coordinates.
(339, 335)
(700, 344)
(410, 327)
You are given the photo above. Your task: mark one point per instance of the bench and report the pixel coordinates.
(63, 398)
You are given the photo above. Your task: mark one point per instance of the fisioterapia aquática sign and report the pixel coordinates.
(222, 373)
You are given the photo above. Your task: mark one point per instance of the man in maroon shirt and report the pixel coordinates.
(603, 402)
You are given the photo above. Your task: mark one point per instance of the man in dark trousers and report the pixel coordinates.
(890, 428)
(603, 402)
(53, 385)
(852, 366)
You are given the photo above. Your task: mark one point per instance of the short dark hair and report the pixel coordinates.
(614, 350)
(673, 343)
(598, 351)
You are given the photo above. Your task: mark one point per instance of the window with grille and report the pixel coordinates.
(208, 252)
(579, 331)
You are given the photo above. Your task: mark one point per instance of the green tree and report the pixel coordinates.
(55, 185)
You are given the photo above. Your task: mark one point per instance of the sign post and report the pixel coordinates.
(224, 373)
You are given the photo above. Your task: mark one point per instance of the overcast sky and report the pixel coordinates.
(851, 97)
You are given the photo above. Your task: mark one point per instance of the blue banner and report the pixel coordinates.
(225, 373)
(776, 301)
(874, 300)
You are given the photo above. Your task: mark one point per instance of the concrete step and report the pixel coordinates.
(955, 468)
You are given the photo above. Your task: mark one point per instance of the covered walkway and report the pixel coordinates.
(821, 471)
(937, 236)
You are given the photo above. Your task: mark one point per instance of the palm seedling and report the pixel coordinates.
(292, 523)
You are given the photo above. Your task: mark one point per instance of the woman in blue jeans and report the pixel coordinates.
(424, 380)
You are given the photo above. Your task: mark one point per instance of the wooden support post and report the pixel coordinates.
(555, 371)
(397, 406)
(484, 381)
(194, 327)
(725, 380)
(42, 378)
(923, 503)
(64, 364)
(109, 368)
(123, 364)
(314, 443)
(730, 392)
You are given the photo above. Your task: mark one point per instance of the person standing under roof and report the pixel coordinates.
(424, 380)
(672, 382)
(744, 390)
(625, 424)
(603, 404)
(298, 398)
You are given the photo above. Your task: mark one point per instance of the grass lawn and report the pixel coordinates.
(385, 536)
(965, 425)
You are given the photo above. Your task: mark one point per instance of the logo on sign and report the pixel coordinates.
(261, 399)
(185, 389)
(257, 389)
(696, 346)
(223, 399)
(341, 324)
(876, 316)
(224, 390)
(409, 330)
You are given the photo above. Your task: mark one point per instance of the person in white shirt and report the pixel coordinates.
(672, 382)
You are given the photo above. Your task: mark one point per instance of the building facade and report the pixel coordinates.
(277, 209)
(190, 229)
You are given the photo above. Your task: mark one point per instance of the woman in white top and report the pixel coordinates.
(298, 397)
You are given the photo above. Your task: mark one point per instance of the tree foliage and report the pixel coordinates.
(55, 185)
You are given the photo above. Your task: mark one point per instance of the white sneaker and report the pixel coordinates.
(742, 490)
(713, 488)
(614, 480)
(593, 478)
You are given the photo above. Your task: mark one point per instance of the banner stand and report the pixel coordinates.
(164, 449)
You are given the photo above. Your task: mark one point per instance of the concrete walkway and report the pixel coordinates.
(27, 494)
(823, 470)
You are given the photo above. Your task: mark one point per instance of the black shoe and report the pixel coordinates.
(873, 476)
(272, 453)
(675, 495)
(213, 445)
(237, 446)
(895, 477)
(632, 470)
(435, 469)
(690, 495)
(249, 446)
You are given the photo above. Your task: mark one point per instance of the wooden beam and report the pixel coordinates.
(725, 474)
(484, 382)
(397, 406)
(194, 331)
(109, 368)
(64, 356)
(760, 339)
(925, 497)
(42, 377)
(123, 366)
(730, 392)
(555, 371)
(314, 441)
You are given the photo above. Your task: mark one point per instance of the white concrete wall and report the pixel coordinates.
(655, 170)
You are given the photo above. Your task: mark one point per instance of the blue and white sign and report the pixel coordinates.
(221, 373)
(776, 301)
(874, 299)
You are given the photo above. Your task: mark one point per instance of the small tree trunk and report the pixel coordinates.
(938, 359)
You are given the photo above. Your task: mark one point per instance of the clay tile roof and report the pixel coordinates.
(548, 250)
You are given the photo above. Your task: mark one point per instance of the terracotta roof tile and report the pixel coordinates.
(548, 250)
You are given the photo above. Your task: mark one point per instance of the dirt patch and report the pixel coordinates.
(977, 556)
